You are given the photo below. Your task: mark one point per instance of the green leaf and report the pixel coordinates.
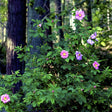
(71, 57)
(35, 35)
(67, 59)
(41, 34)
(42, 99)
(89, 107)
(52, 101)
(49, 54)
(34, 104)
(91, 92)
(17, 72)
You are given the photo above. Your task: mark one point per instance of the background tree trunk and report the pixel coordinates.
(72, 18)
(33, 14)
(89, 12)
(58, 12)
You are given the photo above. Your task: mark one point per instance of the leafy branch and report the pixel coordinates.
(66, 11)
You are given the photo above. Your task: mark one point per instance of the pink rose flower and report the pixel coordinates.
(79, 15)
(39, 25)
(64, 54)
(96, 65)
(5, 98)
(52, 91)
(46, 58)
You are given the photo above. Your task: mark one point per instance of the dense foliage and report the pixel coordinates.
(67, 77)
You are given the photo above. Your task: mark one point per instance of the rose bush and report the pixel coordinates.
(67, 77)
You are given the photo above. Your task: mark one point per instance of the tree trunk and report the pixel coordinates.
(63, 8)
(58, 12)
(89, 12)
(108, 16)
(33, 14)
(16, 34)
(72, 18)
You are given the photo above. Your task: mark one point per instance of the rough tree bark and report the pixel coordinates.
(16, 34)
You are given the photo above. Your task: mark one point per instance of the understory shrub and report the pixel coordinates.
(65, 77)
